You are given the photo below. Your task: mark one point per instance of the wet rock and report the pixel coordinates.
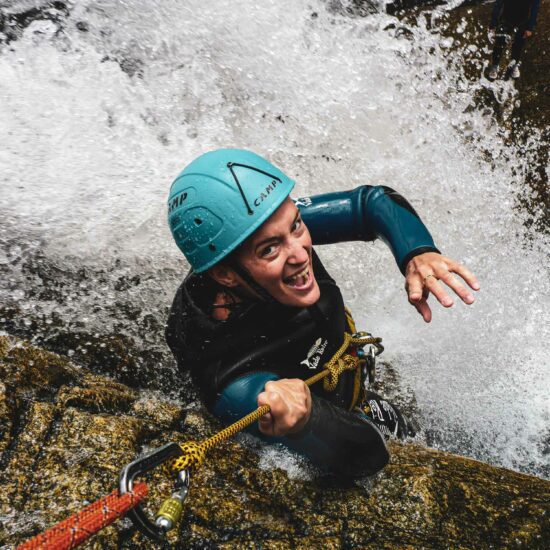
(104, 397)
(67, 445)
(37, 424)
(7, 411)
(472, 19)
(82, 26)
(130, 345)
(168, 415)
(17, 15)
(362, 8)
(397, 6)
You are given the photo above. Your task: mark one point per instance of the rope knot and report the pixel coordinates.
(192, 457)
(342, 363)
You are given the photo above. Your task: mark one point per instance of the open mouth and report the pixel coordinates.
(301, 280)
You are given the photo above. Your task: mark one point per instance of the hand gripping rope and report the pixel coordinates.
(193, 453)
(181, 459)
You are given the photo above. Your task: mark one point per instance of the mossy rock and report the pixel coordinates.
(65, 445)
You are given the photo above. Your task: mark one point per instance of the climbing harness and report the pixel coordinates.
(181, 459)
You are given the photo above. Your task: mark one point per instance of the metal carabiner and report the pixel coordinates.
(171, 510)
(138, 467)
(369, 357)
(367, 336)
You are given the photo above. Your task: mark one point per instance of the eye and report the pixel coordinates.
(268, 250)
(296, 225)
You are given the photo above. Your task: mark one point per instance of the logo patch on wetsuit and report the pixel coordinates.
(304, 201)
(314, 353)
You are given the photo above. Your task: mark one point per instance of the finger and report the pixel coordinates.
(267, 398)
(266, 424)
(424, 309)
(262, 399)
(279, 422)
(452, 282)
(267, 419)
(414, 288)
(465, 273)
(437, 289)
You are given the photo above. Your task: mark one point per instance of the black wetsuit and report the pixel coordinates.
(231, 361)
(512, 18)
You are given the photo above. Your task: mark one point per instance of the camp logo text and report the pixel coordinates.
(265, 193)
(177, 202)
(314, 353)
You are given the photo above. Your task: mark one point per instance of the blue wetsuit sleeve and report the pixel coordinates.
(533, 17)
(333, 438)
(497, 8)
(239, 398)
(364, 214)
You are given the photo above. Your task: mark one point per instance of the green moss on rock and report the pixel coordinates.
(68, 444)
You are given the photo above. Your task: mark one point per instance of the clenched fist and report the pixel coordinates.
(290, 403)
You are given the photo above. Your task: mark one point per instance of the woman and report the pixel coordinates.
(258, 313)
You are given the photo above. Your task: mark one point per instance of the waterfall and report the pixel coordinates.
(101, 109)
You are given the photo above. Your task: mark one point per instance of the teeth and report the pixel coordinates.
(303, 275)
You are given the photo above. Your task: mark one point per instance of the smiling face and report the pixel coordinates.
(278, 257)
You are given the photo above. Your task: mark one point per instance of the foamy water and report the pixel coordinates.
(88, 151)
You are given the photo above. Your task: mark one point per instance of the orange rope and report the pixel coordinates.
(81, 526)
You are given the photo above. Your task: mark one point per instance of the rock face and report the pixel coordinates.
(66, 432)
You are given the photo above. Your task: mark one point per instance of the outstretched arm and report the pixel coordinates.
(365, 214)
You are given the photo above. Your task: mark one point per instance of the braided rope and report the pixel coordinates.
(194, 452)
(81, 526)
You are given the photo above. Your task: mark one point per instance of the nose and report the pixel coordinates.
(297, 252)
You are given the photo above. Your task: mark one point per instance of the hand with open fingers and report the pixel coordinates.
(425, 274)
(290, 402)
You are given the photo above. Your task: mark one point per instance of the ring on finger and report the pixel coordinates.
(428, 276)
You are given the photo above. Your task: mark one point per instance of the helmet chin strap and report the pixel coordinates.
(245, 275)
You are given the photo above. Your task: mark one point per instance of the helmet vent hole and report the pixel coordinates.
(198, 221)
(212, 247)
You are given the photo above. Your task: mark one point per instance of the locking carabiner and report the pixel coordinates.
(369, 355)
(171, 510)
(140, 466)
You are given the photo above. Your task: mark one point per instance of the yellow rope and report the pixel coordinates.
(194, 452)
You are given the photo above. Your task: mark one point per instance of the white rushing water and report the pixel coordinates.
(94, 126)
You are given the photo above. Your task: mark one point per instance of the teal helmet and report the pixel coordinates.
(219, 200)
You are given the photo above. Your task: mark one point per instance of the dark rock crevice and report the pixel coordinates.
(17, 15)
